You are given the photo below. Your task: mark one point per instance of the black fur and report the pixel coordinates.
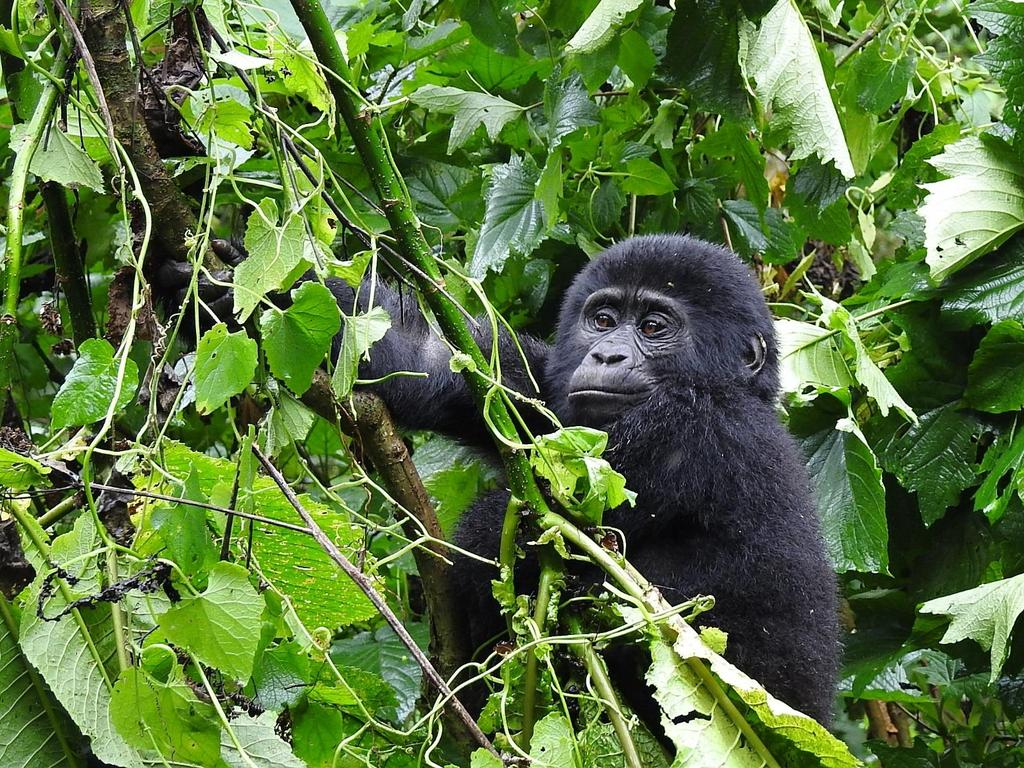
(723, 503)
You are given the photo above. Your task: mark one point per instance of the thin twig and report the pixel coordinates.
(367, 588)
(94, 78)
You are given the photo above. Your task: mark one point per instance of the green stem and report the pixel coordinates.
(372, 146)
(507, 548)
(550, 572)
(636, 586)
(598, 672)
(16, 205)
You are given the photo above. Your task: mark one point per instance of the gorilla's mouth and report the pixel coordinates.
(604, 405)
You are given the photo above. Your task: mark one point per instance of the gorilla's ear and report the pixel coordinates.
(757, 352)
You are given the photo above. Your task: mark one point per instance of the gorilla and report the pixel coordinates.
(666, 343)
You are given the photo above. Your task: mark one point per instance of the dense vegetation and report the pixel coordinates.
(163, 599)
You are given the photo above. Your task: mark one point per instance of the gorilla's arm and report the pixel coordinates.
(441, 401)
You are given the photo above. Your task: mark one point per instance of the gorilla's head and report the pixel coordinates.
(660, 315)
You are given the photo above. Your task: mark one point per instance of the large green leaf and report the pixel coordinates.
(514, 220)
(360, 332)
(934, 457)
(992, 294)
(75, 654)
(600, 27)
(60, 160)
(221, 626)
(995, 380)
(469, 109)
(256, 744)
(985, 614)
(977, 208)
(1002, 55)
(34, 730)
(277, 255)
(297, 340)
(810, 355)
(567, 107)
(784, 66)
(225, 364)
(851, 498)
(89, 389)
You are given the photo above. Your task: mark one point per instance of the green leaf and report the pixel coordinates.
(58, 159)
(993, 294)
(297, 340)
(221, 626)
(1002, 54)
(880, 81)
(34, 730)
(810, 355)
(851, 498)
(455, 475)
(470, 110)
(977, 208)
(995, 379)
(183, 531)
(90, 387)
(553, 743)
(73, 656)
(360, 332)
(1004, 457)
(384, 655)
(167, 716)
(567, 107)
(708, 30)
(731, 140)
(985, 614)
(261, 747)
(492, 21)
(645, 177)
(601, 25)
(481, 758)
(869, 375)
(787, 75)
(19, 472)
(277, 255)
(934, 457)
(514, 218)
(583, 482)
(225, 364)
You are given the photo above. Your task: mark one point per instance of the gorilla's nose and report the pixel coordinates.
(608, 358)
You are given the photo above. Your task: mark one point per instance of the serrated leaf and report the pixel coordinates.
(34, 730)
(90, 386)
(985, 614)
(492, 21)
(1002, 53)
(225, 364)
(166, 716)
(221, 626)
(470, 110)
(934, 457)
(993, 294)
(880, 77)
(787, 75)
(567, 107)
(277, 255)
(514, 218)
(360, 332)
(995, 379)
(851, 499)
(809, 355)
(645, 177)
(601, 25)
(72, 656)
(297, 340)
(258, 745)
(553, 744)
(19, 472)
(977, 208)
(1005, 457)
(58, 159)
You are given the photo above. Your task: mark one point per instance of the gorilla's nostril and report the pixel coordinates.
(608, 358)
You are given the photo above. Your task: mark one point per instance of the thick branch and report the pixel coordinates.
(174, 222)
(67, 262)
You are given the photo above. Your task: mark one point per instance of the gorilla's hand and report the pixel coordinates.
(172, 279)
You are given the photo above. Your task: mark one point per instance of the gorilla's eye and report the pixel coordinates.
(651, 327)
(604, 320)
(753, 358)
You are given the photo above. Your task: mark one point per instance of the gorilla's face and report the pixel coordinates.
(656, 316)
(626, 332)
